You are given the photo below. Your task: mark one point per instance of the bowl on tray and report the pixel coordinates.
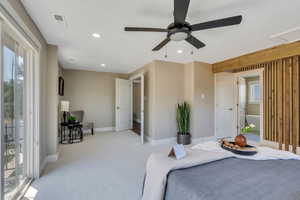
(245, 149)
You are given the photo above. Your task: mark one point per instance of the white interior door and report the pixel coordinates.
(224, 93)
(241, 102)
(123, 105)
(142, 108)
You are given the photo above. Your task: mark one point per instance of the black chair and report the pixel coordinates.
(79, 115)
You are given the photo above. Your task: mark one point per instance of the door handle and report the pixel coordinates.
(118, 108)
(230, 109)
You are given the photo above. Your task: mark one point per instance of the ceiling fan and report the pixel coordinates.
(181, 30)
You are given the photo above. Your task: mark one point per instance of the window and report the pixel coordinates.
(14, 115)
(254, 92)
(17, 122)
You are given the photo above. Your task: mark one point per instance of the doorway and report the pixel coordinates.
(136, 105)
(130, 105)
(138, 84)
(249, 98)
(239, 102)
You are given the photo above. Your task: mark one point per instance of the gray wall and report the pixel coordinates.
(149, 77)
(203, 107)
(93, 92)
(199, 93)
(52, 100)
(169, 83)
(163, 90)
(169, 91)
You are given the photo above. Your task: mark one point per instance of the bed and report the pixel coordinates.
(235, 179)
(209, 172)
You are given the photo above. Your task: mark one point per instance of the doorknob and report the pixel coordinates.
(118, 108)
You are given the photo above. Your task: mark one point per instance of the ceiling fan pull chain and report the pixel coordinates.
(166, 53)
(192, 50)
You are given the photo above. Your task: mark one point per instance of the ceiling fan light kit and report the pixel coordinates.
(178, 36)
(181, 30)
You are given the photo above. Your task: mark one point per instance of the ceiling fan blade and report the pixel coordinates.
(180, 10)
(146, 29)
(161, 45)
(217, 23)
(195, 42)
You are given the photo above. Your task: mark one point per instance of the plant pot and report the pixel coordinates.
(184, 139)
(71, 121)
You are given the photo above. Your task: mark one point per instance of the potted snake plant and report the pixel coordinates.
(183, 123)
(71, 119)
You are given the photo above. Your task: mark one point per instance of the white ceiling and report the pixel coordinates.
(126, 51)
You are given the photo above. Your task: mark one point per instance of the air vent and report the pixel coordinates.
(59, 18)
(291, 35)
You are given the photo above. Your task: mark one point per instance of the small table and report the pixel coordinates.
(75, 132)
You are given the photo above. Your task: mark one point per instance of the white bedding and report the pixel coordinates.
(263, 153)
(159, 165)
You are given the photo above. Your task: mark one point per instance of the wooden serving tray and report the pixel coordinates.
(248, 150)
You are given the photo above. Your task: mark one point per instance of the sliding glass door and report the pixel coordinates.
(14, 115)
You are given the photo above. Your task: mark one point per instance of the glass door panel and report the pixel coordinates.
(14, 112)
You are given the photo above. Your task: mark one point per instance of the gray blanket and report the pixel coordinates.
(236, 179)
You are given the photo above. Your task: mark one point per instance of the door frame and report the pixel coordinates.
(1, 118)
(132, 78)
(237, 118)
(215, 103)
(260, 73)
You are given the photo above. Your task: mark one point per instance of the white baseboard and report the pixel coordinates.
(48, 159)
(148, 139)
(203, 139)
(53, 157)
(173, 140)
(43, 166)
(104, 129)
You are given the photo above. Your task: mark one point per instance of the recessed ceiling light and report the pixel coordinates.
(103, 65)
(96, 35)
(179, 51)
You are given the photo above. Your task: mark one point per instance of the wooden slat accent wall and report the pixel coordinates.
(247, 68)
(281, 101)
(263, 56)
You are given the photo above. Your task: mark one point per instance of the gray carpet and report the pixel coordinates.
(108, 166)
